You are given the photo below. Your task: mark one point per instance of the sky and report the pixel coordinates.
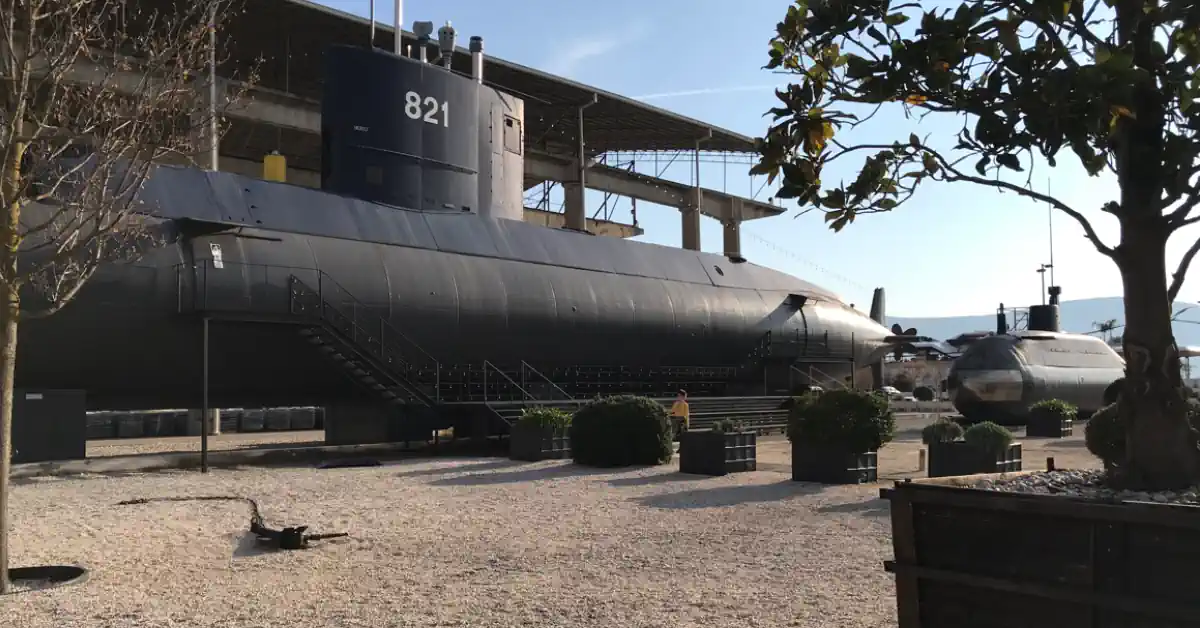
(954, 249)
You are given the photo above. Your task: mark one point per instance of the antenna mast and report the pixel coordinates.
(1050, 220)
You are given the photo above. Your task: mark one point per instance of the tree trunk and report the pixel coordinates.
(9, 313)
(1161, 451)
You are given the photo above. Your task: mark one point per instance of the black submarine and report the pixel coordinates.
(411, 276)
(999, 376)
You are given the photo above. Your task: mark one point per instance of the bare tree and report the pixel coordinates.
(93, 94)
(1105, 327)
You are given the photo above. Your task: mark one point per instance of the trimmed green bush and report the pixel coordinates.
(727, 426)
(988, 437)
(621, 431)
(924, 393)
(546, 418)
(847, 420)
(942, 430)
(1105, 433)
(1105, 436)
(1055, 407)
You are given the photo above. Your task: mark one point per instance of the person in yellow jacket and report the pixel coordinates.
(680, 413)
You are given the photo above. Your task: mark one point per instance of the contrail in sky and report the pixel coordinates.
(707, 91)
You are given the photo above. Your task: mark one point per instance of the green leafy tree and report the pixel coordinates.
(1110, 83)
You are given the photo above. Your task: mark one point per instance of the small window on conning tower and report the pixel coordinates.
(512, 135)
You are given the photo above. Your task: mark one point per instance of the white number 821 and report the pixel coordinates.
(429, 112)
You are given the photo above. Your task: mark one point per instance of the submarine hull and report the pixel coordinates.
(998, 378)
(465, 288)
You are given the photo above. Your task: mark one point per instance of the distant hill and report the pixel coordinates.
(1076, 316)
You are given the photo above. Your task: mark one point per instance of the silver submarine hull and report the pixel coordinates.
(999, 377)
(418, 229)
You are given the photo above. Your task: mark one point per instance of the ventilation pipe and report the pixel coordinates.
(1001, 321)
(423, 30)
(446, 41)
(477, 59)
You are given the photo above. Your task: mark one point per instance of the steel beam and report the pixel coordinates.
(713, 203)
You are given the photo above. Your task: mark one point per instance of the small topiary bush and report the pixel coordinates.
(621, 431)
(546, 418)
(1105, 433)
(1055, 407)
(988, 437)
(1105, 436)
(848, 420)
(923, 393)
(942, 430)
(728, 426)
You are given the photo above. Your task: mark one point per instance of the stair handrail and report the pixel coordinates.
(323, 276)
(526, 365)
(827, 376)
(487, 365)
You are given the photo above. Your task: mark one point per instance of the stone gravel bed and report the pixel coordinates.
(458, 542)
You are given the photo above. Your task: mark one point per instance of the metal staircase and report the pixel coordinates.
(355, 338)
(364, 346)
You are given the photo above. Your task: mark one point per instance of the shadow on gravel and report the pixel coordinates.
(523, 475)
(486, 465)
(719, 496)
(657, 478)
(877, 507)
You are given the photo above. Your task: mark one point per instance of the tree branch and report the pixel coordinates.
(1181, 272)
(958, 175)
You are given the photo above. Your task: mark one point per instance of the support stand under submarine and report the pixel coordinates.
(413, 281)
(998, 377)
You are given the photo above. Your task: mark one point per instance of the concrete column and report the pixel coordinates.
(195, 422)
(574, 203)
(691, 220)
(733, 229)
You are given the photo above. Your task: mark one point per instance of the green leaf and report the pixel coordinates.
(913, 140)
(1010, 161)
(982, 164)
(876, 35)
(895, 19)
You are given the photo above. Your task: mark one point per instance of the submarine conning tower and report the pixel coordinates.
(416, 135)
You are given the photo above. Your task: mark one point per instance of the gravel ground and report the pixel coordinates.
(459, 542)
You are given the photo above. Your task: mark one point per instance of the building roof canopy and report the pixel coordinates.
(290, 37)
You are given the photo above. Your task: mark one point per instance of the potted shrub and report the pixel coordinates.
(726, 448)
(621, 431)
(540, 434)
(835, 437)
(985, 448)
(1051, 418)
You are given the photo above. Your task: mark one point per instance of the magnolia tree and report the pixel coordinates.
(92, 93)
(1110, 83)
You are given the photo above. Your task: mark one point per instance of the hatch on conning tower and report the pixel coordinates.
(417, 135)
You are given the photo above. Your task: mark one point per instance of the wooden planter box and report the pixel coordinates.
(1048, 425)
(832, 466)
(959, 458)
(717, 453)
(1040, 561)
(532, 443)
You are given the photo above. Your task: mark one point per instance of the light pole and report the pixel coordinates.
(1042, 271)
